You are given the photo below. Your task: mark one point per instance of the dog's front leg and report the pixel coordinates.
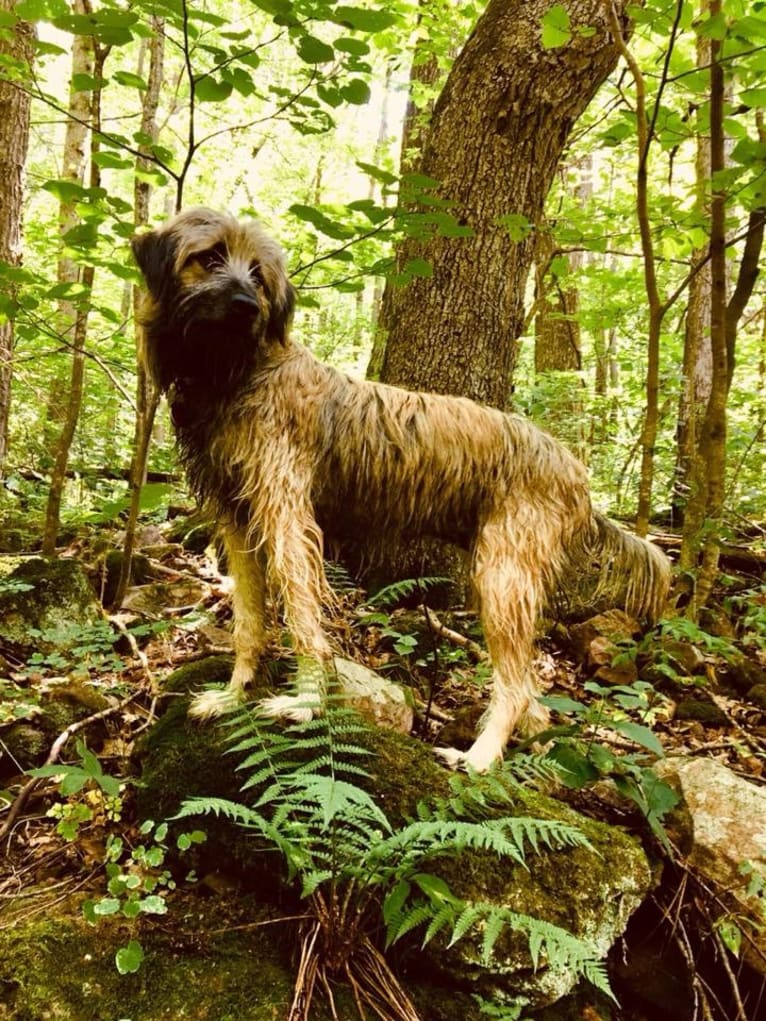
(293, 547)
(250, 633)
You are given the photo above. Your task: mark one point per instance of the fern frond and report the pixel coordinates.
(468, 917)
(418, 915)
(444, 917)
(403, 589)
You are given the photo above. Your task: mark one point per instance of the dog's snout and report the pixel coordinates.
(243, 302)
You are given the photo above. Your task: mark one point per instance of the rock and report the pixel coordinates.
(45, 604)
(722, 821)
(154, 600)
(757, 695)
(378, 700)
(140, 572)
(685, 657)
(588, 891)
(27, 743)
(741, 674)
(701, 711)
(596, 641)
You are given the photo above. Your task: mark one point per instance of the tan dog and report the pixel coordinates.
(285, 451)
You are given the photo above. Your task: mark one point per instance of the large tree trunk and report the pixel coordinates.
(496, 138)
(14, 137)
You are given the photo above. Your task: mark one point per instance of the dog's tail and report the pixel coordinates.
(623, 569)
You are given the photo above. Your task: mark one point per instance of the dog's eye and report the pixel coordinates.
(255, 272)
(211, 258)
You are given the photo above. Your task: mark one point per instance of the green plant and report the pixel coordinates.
(82, 648)
(584, 759)
(137, 883)
(359, 873)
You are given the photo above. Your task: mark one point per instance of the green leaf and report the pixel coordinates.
(87, 83)
(134, 81)
(434, 887)
(754, 97)
(555, 27)
(356, 92)
(362, 20)
(518, 226)
(106, 906)
(128, 959)
(418, 267)
(314, 51)
(356, 47)
(731, 934)
(642, 735)
(153, 905)
(208, 90)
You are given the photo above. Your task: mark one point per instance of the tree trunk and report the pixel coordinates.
(147, 394)
(73, 402)
(496, 138)
(712, 447)
(14, 137)
(423, 71)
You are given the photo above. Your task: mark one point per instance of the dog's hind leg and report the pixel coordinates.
(509, 566)
(250, 632)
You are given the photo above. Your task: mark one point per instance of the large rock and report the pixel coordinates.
(43, 604)
(721, 827)
(589, 891)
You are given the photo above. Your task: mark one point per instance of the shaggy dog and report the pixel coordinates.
(286, 452)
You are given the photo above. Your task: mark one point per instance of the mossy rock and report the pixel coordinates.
(61, 969)
(589, 891)
(45, 595)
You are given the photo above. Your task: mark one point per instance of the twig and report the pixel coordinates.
(462, 641)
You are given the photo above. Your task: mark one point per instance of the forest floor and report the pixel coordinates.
(55, 844)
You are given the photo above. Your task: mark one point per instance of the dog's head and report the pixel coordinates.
(217, 288)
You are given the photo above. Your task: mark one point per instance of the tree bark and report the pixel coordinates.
(73, 402)
(496, 138)
(15, 62)
(147, 394)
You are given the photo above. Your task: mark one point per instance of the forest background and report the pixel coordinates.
(627, 316)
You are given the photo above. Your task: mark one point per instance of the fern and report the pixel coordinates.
(304, 797)
(394, 593)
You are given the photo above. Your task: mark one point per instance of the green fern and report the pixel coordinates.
(394, 593)
(305, 797)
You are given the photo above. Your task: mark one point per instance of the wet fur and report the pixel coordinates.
(287, 452)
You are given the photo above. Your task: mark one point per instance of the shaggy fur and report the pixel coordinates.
(287, 452)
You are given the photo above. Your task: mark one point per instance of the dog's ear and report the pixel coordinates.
(281, 316)
(155, 254)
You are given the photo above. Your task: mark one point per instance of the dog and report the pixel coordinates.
(286, 453)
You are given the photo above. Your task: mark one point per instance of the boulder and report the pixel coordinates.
(721, 827)
(589, 891)
(45, 604)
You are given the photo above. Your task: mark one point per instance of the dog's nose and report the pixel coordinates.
(243, 302)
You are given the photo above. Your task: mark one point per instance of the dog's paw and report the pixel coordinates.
(295, 708)
(207, 705)
(450, 757)
(475, 760)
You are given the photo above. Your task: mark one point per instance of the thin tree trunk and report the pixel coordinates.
(73, 402)
(74, 165)
(713, 435)
(147, 394)
(14, 139)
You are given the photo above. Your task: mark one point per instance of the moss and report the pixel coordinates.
(63, 970)
(57, 596)
(192, 676)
